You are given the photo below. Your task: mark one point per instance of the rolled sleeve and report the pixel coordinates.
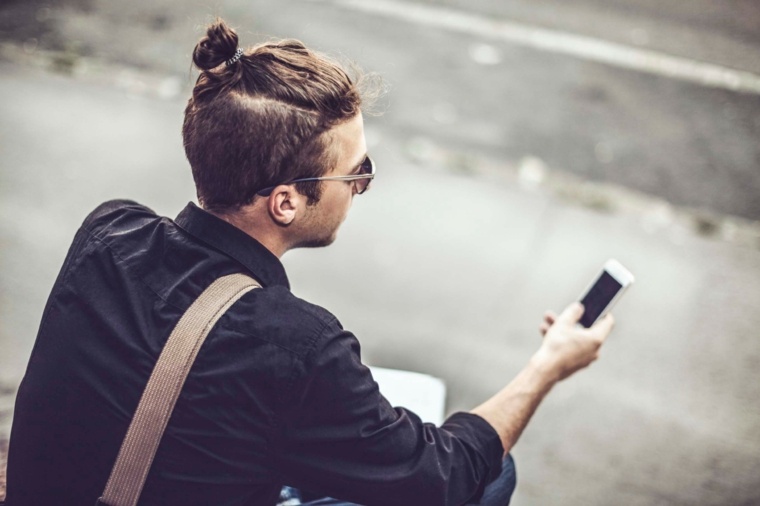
(342, 438)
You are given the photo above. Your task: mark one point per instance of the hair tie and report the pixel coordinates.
(235, 58)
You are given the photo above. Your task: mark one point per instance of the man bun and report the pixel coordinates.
(218, 46)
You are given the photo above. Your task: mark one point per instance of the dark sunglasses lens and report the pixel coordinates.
(367, 167)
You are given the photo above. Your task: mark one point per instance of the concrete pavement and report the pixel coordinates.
(441, 272)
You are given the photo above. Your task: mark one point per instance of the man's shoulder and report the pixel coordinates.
(116, 211)
(276, 315)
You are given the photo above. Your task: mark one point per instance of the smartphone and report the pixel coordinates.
(605, 291)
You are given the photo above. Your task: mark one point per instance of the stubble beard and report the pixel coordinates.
(321, 234)
(317, 242)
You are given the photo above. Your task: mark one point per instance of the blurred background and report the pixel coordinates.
(521, 144)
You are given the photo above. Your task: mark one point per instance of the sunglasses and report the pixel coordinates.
(361, 180)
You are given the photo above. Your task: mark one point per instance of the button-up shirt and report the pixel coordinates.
(277, 395)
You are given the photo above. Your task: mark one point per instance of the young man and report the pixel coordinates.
(278, 394)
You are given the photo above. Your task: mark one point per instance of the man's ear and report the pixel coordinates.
(284, 204)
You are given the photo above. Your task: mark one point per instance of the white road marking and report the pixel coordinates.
(588, 48)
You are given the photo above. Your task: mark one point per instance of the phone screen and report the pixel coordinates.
(598, 298)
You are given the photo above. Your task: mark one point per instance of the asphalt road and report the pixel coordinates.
(440, 269)
(692, 145)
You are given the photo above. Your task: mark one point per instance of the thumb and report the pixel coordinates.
(572, 314)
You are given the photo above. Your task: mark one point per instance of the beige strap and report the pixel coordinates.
(160, 395)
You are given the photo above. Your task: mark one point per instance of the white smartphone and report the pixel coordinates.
(606, 289)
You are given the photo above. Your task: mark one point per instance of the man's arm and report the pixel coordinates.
(566, 349)
(339, 437)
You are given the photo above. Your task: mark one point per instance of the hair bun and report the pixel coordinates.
(218, 46)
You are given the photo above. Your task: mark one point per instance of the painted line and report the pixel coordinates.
(555, 41)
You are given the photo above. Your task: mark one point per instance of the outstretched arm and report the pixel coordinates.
(566, 349)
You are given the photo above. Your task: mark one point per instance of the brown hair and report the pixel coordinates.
(263, 120)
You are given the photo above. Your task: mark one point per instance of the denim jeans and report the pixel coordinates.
(497, 493)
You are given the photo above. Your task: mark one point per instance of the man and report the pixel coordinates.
(278, 394)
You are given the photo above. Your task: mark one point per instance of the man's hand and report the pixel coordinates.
(568, 347)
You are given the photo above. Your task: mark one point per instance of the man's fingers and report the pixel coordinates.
(604, 326)
(571, 314)
(550, 317)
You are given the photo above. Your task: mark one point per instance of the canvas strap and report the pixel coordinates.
(160, 395)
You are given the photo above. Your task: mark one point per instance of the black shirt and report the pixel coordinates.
(277, 395)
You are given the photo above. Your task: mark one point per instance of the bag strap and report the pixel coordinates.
(160, 395)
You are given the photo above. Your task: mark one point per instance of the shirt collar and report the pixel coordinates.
(232, 241)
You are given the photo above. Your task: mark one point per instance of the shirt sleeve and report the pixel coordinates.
(341, 438)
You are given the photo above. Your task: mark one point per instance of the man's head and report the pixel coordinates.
(269, 118)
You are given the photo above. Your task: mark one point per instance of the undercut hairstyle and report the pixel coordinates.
(264, 119)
